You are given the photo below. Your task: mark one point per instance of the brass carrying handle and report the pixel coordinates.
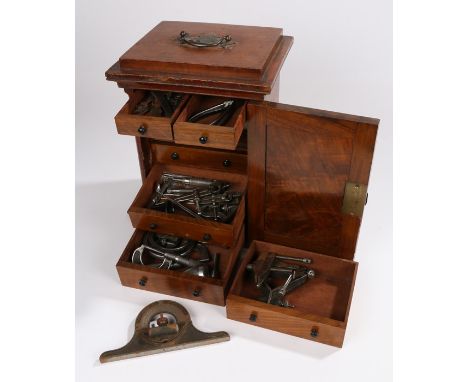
(204, 41)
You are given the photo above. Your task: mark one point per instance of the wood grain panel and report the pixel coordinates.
(310, 155)
(256, 137)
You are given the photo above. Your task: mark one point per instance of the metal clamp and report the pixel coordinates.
(271, 264)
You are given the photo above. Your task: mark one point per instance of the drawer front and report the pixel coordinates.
(212, 159)
(205, 231)
(270, 317)
(212, 291)
(203, 134)
(143, 126)
(171, 285)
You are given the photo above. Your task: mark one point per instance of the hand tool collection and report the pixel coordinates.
(158, 104)
(197, 197)
(175, 253)
(161, 327)
(270, 266)
(225, 110)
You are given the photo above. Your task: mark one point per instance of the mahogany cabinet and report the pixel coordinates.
(303, 173)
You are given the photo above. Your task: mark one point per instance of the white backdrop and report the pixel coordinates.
(341, 60)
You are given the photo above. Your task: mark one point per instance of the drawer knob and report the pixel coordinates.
(142, 129)
(253, 317)
(227, 163)
(206, 237)
(203, 139)
(152, 226)
(174, 156)
(143, 281)
(314, 332)
(196, 292)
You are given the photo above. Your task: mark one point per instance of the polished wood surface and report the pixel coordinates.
(212, 291)
(298, 183)
(222, 137)
(180, 224)
(154, 127)
(247, 69)
(226, 161)
(256, 137)
(322, 303)
(160, 51)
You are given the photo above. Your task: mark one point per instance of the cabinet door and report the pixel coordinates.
(308, 172)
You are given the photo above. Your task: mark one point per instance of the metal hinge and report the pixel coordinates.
(355, 198)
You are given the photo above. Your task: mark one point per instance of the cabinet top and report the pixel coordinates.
(203, 55)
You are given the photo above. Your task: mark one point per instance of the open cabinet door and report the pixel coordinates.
(308, 172)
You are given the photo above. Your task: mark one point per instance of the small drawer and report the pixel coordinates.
(226, 161)
(176, 283)
(321, 305)
(202, 133)
(181, 224)
(147, 126)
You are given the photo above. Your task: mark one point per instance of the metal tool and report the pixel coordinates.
(268, 265)
(197, 197)
(161, 327)
(171, 252)
(225, 107)
(158, 104)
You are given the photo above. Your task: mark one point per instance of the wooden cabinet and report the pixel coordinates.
(303, 173)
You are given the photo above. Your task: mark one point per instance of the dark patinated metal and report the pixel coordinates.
(269, 265)
(197, 197)
(205, 40)
(161, 327)
(176, 253)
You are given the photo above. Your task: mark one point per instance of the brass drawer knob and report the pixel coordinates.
(203, 139)
(142, 129)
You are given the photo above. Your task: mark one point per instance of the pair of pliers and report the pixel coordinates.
(223, 106)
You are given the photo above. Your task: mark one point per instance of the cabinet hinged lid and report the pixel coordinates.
(198, 55)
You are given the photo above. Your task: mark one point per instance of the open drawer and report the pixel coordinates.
(177, 283)
(202, 133)
(144, 116)
(321, 305)
(181, 224)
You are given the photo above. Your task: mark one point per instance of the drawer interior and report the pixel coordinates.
(180, 223)
(238, 184)
(327, 295)
(227, 258)
(198, 103)
(156, 103)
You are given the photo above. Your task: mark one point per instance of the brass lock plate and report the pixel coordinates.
(355, 197)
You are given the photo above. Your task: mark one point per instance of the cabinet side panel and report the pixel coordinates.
(256, 130)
